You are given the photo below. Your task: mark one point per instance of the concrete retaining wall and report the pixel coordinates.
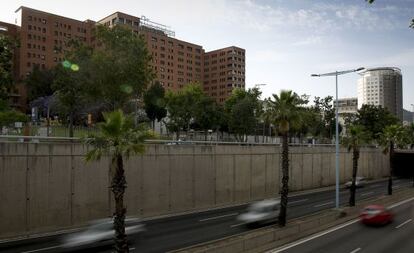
(45, 187)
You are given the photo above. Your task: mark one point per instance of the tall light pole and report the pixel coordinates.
(412, 113)
(336, 74)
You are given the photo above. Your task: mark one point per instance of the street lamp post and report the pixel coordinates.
(412, 113)
(336, 74)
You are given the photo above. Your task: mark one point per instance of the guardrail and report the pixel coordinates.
(44, 139)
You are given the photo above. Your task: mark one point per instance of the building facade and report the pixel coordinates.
(44, 40)
(382, 87)
(224, 70)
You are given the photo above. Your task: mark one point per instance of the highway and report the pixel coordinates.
(396, 237)
(185, 230)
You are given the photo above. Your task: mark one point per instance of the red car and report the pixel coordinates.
(376, 215)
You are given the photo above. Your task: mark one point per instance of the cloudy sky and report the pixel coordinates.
(285, 40)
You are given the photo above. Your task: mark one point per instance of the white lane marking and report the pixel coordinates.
(405, 222)
(355, 250)
(401, 203)
(291, 245)
(367, 193)
(313, 237)
(42, 249)
(131, 248)
(237, 225)
(218, 217)
(297, 201)
(324, 204)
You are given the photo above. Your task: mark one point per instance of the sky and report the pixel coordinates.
(285, 40)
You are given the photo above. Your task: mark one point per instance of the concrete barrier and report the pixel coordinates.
(48, 186)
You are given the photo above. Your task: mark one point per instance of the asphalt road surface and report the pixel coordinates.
(181, 231)
(353, 237)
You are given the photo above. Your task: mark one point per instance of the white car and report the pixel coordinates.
(100, 232)
(261, 212)
(359, 182)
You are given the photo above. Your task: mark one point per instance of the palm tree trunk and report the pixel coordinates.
(391, 168)
(285, 180)
(118, 189)
(354, 174)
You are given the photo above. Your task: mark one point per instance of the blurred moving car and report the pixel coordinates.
(376, 215)
(100, 232)
(261, 212)
(359, 182)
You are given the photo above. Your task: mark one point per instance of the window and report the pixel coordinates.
(44, 21)
(29, 55)
(30, 18)
(44, 30)
(154, 39)
(29, 27)
(121, 20)
(129, 22)
(136, 23)
(29, 45)
(29, 36)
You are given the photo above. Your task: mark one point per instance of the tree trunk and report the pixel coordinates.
(118, 189)
(391, 168)
(71, 124)
(354, 174)
(205, 134)
(177, 135)
(285, 180)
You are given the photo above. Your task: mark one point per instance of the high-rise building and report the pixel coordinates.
(224, 70)
(382, 87)
(44, 37)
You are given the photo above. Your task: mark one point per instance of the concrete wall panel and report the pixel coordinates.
(258, 176)
(204, 181)
(243, 178)
(13, 189)
(156, 184)
(182, 180)
(225, 179)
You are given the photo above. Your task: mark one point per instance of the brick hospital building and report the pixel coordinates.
(43, 37)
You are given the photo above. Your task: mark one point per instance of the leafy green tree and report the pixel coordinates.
(118, 138)
(374, 119)
(356, 136)
(206, 114)
(154, 103)
(181, 107)
(72, 80)
(243, 109)
(286, 110)
(39, 83)
(8, 117)
(392, 136)
(7, 47)
(242, 119)
(324, 106)
(120, 68)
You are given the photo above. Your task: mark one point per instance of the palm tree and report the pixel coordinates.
(393, 135)
(356, 135)
(119, 139)
(286, 112)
